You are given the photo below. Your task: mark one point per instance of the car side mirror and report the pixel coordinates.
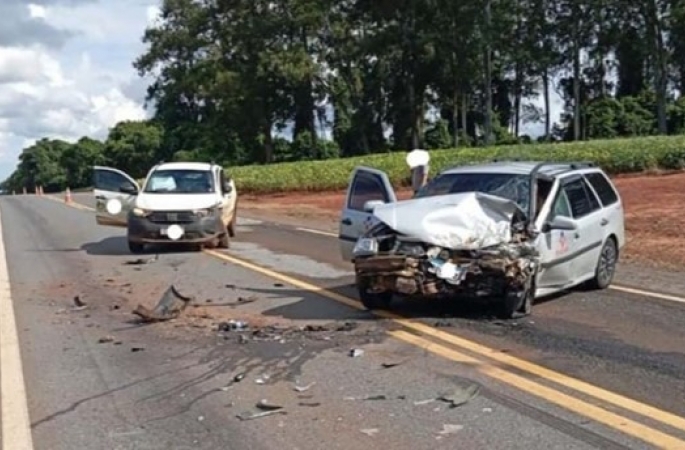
(228, 188)
(560, 223)
(370, 205)
(128, 188)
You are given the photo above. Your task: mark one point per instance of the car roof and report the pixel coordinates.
(550, 169)
(184, 166)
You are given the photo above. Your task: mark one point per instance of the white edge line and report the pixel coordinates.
(14, 413)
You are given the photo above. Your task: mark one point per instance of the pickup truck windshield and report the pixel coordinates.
(178, 181)
(514, 187)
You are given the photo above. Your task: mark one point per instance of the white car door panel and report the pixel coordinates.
(612, 214)
(366, 184)
(108, 184)
(557, 249)
(589, 237)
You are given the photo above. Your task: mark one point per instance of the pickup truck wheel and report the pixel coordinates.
(606, 266)
(135, 247)
(373, 301)
(223, 241)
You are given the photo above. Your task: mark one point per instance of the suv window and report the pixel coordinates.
(582, 200)
(366, 187)
(607, 194)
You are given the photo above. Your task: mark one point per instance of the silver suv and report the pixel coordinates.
(512, 231)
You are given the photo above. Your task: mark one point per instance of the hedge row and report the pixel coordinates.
(616, 156)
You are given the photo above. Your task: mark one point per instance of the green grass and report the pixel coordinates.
(616, 156)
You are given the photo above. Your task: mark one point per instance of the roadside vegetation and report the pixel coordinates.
(250, 82)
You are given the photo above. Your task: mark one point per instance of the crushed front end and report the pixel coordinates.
(386, 261)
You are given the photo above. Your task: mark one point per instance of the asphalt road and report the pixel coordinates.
(617, 359)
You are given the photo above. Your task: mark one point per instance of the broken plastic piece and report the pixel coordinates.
(249, 415)
(461, 395)
(355, 352)
(169, 307)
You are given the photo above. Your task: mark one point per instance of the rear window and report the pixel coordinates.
(514, 187)
(607, 194)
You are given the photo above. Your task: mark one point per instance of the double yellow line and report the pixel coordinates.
(510, 370)
(502, 367)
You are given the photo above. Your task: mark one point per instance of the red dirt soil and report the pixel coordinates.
(653, 206)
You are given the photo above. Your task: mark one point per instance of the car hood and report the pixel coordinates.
(175, 202)
(467, 221)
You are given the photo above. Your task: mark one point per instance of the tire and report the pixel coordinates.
(223, 241)
(606, 266)
(517, 303)
(373, 301)
(231, 224)
(136, 248)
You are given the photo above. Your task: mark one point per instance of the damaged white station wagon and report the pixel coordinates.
(468, 233)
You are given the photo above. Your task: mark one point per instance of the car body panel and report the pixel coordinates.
(366, 184)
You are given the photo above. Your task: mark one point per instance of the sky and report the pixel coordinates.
(66, 70)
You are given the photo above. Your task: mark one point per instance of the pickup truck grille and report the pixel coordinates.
(171, 217)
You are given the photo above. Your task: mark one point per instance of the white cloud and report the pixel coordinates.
(54, 84)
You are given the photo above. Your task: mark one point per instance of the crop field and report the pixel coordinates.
(616, 156)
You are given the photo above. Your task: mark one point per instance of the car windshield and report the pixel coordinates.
(513, 187)
(180, 181)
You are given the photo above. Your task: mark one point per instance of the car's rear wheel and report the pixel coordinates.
(606, 265)
(371, 301)
(136, 247)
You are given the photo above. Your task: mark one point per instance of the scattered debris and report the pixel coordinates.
(249, 415)
(114, 307)
(369, 431)
(169, 307)
(368, 397)
(137, 349)
(391, 364)
(356, 352)
(249, 299)
(264, 405)
(231, 286)
(424, 402)
(78, 302)
(233, 325)
(304, 388)
(142, 261)
(278, 284)
(460, 395)
(310, 404)
(262, 380)
(200, 419)
(105, 339)
(238, 378)
(451, 429)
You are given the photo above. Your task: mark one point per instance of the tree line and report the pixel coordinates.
(231, 75)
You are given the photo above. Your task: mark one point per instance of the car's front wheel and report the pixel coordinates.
(606, 265)
(136, 247)
(371, 301)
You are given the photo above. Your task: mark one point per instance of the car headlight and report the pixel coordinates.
(140, 212)
(205, 212)
(365, 247)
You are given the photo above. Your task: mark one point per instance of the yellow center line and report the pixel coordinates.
(580, 407)
(566, 381)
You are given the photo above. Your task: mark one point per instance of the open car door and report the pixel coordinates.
(366, 185)
(113, 184)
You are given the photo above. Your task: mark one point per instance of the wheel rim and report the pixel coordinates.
(607, 263)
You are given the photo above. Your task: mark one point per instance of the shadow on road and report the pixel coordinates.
(313, 307)
(118, 246)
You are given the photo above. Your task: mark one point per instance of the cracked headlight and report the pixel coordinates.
(365, 247)
(140, 212)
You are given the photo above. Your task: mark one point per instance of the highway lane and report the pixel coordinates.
(167, 385)
(620, 342)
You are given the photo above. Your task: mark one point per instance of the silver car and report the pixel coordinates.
(512, 231)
